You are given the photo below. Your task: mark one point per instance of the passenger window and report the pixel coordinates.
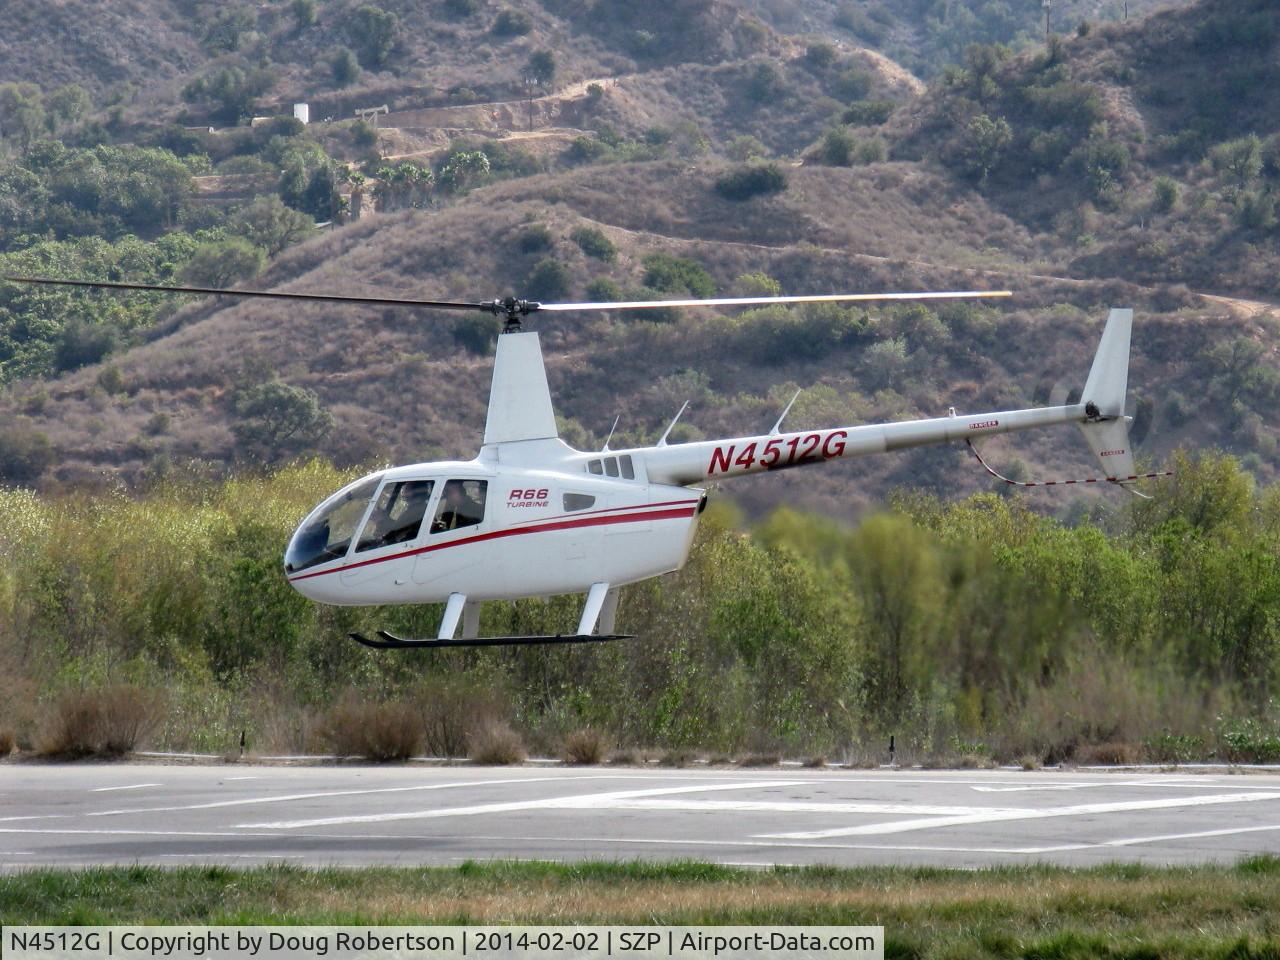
(595, 467)
(628, 470)
(578, 501)
(397, 514)
(461, 505)
(611, 466)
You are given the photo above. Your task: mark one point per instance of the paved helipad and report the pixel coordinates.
(68, 815)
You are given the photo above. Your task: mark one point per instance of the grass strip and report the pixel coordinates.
(1114, 911)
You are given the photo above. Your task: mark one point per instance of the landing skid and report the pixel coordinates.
(387, 641)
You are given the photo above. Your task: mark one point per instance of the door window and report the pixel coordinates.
(397, 514)
(461, 505)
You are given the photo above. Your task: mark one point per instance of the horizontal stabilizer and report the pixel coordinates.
(1109, 441)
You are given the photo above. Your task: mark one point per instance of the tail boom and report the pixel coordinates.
(688, 463)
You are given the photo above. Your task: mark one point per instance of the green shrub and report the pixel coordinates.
(868, 113)
(603, 290)
(837, 147)
(549, 281)
(751, 180)
(852, 84)
(764, 83)
(594, 243)
(820, 54)
(461, 9)
(511, 23)
(1250, 741)
(534, 238)
(677, 274)
(25, 452)
(1169, 747)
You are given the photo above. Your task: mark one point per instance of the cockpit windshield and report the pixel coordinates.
(327, 535)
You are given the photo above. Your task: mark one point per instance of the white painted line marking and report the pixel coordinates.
(799, 806)
(231, 779)
(242, 856)
(1084, 809)
(291, 797)
(132, 786)
(125, 831)
(576, 802)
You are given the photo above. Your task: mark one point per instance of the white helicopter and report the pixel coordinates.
(532, 517)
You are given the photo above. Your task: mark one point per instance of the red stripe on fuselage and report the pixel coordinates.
(671, 514)
(589, 513)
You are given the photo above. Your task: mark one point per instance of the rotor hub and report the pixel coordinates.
(514, 310)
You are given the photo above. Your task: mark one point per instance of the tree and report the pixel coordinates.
(304, 13)
(82, 343)
(542, 67)
(222, 34)
(221, 263)
(764, 83)
(1241, 158)
(985, 142)
(277, 419)
(67, 105)
(232, 90)
(344, 66)
(464, 168)
(373, 31)
(270, 224)
(21, 112)
(1166, 195)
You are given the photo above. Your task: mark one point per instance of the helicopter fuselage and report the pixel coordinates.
(530, 532)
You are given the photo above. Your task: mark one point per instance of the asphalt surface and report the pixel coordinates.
(82, 814)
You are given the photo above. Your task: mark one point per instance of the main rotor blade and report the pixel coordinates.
(760, 301)
(262, 294)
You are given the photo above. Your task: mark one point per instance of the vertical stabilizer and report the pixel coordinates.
(1106, 428)
(1108, 381)
(519, 399)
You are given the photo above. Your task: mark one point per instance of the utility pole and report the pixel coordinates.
(1047, 4)
(530, 82)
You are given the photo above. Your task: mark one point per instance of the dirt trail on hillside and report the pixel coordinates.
(548, 133)
(1249, 309)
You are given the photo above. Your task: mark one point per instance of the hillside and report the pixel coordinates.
(628, 174)
(1146, 151)
(928, 35)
